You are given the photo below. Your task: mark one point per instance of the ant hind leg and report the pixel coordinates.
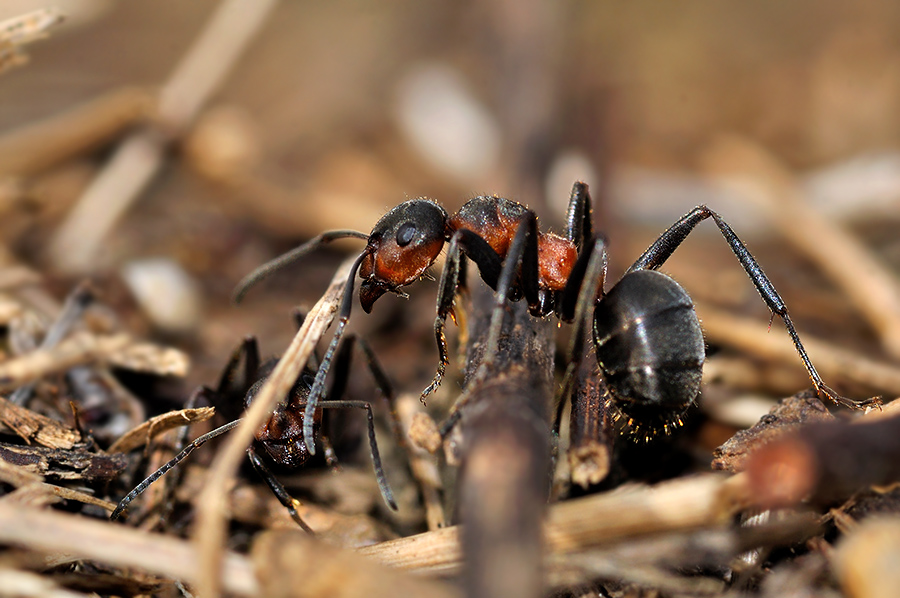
(668, 242)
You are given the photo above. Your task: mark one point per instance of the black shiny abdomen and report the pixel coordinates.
(649, 345)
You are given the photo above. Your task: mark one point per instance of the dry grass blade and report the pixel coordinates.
(292, 564)
(56, 533)
(155, 426)
(422, 463)
(23, 584)
(79, 349)
(36, 147)
(25, 29)
(17, 476)
(38, 493)
(137, 160)
(209, 534)
(584, 523)
(83, 348)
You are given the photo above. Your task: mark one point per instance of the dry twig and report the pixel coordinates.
(155, 426)
(209, 534)
(599, 520)
(204, 67)
(78, 537)
(503, 441)
(32, 426)
(36, 147)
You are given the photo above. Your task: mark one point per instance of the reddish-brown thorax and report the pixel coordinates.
(556, 255)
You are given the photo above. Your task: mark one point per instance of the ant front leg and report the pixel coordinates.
(665, 245)
(318, 385)
(289, 502)
(463, 243)
(579, 217)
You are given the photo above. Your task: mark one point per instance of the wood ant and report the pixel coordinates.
(280, 439)
(646, 334)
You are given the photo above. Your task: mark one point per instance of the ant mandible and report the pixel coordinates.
(280, 438)
(646, 334)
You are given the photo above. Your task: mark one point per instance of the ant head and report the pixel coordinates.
(403, 244)
(282, 434)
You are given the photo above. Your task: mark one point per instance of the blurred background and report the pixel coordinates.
(334, 112)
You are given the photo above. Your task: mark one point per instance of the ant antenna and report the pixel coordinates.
(139, 489)
(290, 257)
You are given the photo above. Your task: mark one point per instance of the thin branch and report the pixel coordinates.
(155, 426)
(79, 349)
(57, 533)
(36, 147)
(599, 520)
(209, 533)
(78, 241)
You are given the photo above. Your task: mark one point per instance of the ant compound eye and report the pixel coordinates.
(405, 233)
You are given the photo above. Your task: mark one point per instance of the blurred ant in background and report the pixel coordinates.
(280, 439)
(646, 334)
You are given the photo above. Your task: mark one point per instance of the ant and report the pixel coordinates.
(646, 334)
(280, 440)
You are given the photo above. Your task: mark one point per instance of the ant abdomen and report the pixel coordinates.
(650, 347)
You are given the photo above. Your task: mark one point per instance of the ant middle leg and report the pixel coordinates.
(318, 385)
(342, 366)
(463, 243)
(668, 241)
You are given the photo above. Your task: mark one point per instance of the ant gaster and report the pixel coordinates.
(280, 438)
(647, 336)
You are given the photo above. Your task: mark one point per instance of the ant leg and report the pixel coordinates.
(579, 220)
(382, 382)
(665, 245)
(380, 477)
(585, 284)
(318, 385)
(290, 257)
(278, 489)
(522, 251)
(234, 383)
(342, 364)
(139, 489)
(463, 243)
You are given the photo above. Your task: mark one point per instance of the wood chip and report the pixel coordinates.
(63, 464)
(34, 427)
(155, 426)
